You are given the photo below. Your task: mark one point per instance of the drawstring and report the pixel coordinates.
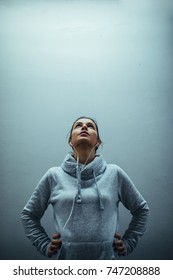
(78, 175)
(99, 193)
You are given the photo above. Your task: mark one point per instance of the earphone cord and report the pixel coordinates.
(78, 179)
(69, 214)
(84, 166)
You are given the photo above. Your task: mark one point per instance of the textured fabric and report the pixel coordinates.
(85, 200)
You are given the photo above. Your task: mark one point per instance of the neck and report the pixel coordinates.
(85, 156)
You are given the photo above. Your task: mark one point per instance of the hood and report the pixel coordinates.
(85, 172)
(98, 166)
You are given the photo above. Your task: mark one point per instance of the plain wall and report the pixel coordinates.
(111, 60)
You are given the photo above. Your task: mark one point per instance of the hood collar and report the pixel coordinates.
(98, 166)
(91, 170)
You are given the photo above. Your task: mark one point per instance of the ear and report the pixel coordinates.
(98, 143)
(69, 141)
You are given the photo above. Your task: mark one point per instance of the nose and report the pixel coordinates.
(84, 127)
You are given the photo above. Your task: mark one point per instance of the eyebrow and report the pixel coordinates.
(86, 123)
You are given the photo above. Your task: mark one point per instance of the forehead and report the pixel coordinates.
(85, 121)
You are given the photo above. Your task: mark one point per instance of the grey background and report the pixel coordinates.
(111, 60)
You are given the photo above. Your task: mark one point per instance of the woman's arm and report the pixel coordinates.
(136, 204)
(33, 212)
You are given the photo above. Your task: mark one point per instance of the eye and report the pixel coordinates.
(77, 125)
(91, 125)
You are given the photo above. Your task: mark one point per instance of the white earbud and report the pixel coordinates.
(71, 144)
(97, 144)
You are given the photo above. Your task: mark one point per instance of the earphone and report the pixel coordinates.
(96, 144)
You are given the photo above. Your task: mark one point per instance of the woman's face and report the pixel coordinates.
(84, 132)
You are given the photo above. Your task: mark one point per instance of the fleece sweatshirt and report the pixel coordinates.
(85, 200)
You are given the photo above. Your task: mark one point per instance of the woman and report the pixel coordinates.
(85, 193)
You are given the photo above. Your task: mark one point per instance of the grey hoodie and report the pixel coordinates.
(85, 200)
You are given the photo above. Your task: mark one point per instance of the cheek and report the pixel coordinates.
(94, 136)
(74, 134)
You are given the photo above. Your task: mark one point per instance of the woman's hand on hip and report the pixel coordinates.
(55, 244)
(119, 245)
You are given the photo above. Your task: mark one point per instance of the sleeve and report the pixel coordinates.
(136, 204)
(33, 212)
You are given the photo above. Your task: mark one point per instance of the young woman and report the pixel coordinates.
(85, 193)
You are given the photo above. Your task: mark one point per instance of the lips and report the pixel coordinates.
(84, 133)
